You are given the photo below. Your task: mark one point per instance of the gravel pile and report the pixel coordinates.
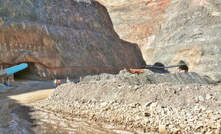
(140, 106)
(149, 77)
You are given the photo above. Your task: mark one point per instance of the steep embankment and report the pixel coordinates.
(134, 20)
(172, 30)
(63, 38)
(192, 32)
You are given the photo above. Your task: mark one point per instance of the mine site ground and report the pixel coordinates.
(110, 104)
(18, 116)
(77, 38)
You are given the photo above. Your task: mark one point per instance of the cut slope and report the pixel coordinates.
(63, 38)
(168, 31)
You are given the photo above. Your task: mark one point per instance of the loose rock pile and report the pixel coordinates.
(149, 77)
(140, 106)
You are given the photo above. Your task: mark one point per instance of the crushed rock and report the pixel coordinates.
(141, 105)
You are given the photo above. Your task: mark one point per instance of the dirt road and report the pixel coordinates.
(17, 115)
(31, 97)
(22, 93)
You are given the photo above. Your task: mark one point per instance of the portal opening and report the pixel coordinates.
(30, 73)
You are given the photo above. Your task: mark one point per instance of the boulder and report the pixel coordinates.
(171, 30)
(63, 38)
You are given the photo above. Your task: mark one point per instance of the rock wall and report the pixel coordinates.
(133, 20)
(63, 38)
(171, 30)
(192, 33)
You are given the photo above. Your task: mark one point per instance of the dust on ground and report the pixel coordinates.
(21, 93)
(19, 116)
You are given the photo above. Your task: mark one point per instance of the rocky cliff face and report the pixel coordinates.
(192, 32)
(133, 20)
(172, 30)
(63, 38)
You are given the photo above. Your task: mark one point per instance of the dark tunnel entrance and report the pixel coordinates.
(29, 73)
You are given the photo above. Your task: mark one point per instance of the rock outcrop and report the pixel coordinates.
(133, 20)
(63, 38)
(172, 30)
(192, 32)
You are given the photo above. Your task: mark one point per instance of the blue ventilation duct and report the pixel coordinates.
(14, 69)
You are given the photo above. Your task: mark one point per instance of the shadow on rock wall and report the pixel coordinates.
(63, 38)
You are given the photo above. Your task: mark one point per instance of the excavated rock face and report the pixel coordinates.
(191, 32)
(172, 30)
(56, 36)
(135, 20)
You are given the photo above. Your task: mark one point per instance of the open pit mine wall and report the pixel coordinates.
(171, 30)
(63, 38)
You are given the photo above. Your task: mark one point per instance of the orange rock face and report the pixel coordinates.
(133, 20)
(63, 38)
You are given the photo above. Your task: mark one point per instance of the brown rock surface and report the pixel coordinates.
(61, 37)
(172, 30)
(133, 20)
